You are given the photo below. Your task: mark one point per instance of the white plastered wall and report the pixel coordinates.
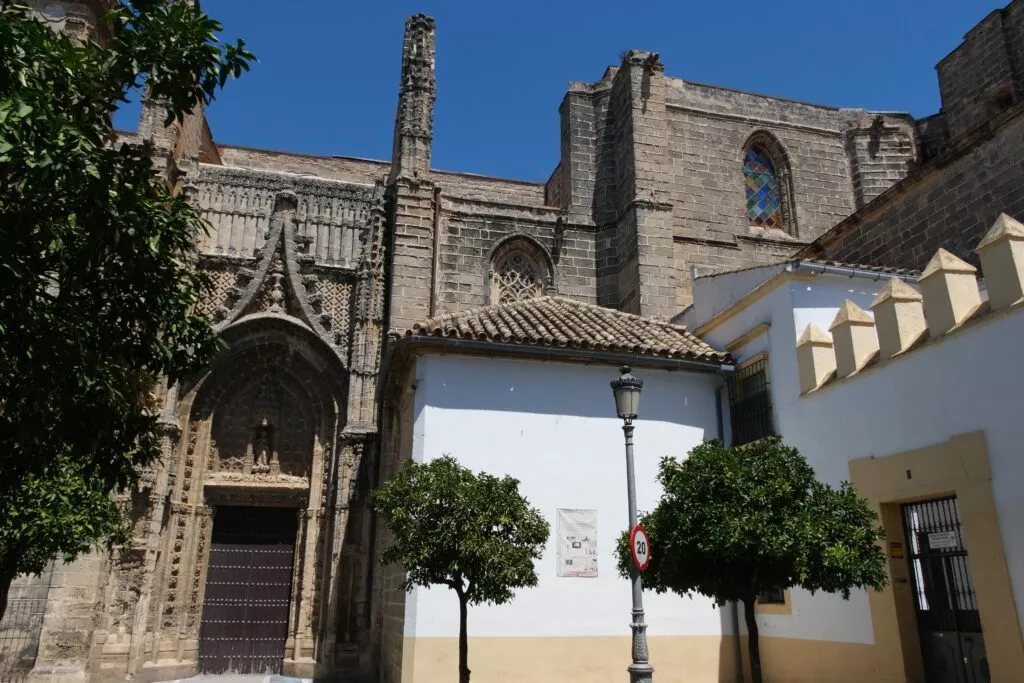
(553, 427)
(966, 382)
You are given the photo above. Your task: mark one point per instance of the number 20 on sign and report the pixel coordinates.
(640, 547)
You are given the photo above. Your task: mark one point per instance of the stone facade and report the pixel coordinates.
(655, 165)
(968, 166)
(312, 260)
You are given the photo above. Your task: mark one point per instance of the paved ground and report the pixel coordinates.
(234, 678)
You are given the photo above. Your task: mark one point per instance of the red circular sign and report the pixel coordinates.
(640, 547)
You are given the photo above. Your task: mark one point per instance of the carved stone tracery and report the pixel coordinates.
(264, 428)
(517, 279)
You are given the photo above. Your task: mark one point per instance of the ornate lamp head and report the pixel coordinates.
(626, 389)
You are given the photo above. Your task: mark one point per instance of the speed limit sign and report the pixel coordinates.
(640, 547)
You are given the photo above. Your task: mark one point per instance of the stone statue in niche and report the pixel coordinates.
(267, 406)
(264, 457)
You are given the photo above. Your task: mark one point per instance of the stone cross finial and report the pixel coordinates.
(950, 291)
(853, 333)
(816, 360)
(1002, 259)
(899, 317)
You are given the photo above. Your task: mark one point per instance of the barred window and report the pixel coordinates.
(516, 278)
(774, 596)
(750, 403)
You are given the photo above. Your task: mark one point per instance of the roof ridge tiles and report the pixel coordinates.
(562, 322)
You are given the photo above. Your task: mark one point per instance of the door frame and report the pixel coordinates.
(942, 576)
(957, 467)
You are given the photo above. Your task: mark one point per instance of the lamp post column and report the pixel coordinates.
(640, 671)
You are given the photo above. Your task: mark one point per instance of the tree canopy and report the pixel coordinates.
(474, 533)
(97, 292)
(736, 523)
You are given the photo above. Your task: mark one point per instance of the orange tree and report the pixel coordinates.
(474, 533)
(96, 292)
(735, 523)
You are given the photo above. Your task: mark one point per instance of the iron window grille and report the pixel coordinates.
(19, 637)
(775, 596)
(943, 589)
(750, 403)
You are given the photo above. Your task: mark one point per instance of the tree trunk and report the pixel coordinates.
(6, 578)
(463, 644)
(753, 647)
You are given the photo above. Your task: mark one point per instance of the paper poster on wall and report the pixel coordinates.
(577, 542)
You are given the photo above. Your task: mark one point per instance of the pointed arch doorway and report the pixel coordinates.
(254, 507)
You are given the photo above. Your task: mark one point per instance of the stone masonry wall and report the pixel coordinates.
(680, 150)
(709, 127)
(389, 590)
(471, 231)
(984, 74)
(350, 169)
(950, 202)
(881, 150)
(832, 165)
(238, 204)
(471, 186)
(72, 615)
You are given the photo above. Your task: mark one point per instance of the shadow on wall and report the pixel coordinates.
(465, 383)
(729, 650)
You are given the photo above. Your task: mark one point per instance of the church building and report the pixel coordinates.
(376, 310)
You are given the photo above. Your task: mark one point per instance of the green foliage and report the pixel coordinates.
(60, 509)
(96, 290)
(733, 523)
(474, 533)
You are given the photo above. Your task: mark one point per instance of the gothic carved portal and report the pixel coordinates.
(266, 429)
(263, 432)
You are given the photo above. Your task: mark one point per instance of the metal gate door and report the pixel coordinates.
(947, 613)
(248, 585)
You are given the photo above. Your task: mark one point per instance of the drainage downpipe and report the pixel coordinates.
(734, 608)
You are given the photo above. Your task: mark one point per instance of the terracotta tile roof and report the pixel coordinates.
(564, 323)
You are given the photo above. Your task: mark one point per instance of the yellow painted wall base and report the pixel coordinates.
(693, 659)
(683, 659)
(792, 660)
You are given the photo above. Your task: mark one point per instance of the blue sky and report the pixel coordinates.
(327, 78)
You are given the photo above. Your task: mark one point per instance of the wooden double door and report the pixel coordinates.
(248, 590)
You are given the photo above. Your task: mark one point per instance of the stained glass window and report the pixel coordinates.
(764, 203)
(516, 279)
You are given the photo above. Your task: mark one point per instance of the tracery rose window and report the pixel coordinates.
(517, 278)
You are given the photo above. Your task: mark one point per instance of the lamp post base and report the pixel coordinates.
(640, 673)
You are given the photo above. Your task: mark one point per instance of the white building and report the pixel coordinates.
(924, 415)
(523, 389)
